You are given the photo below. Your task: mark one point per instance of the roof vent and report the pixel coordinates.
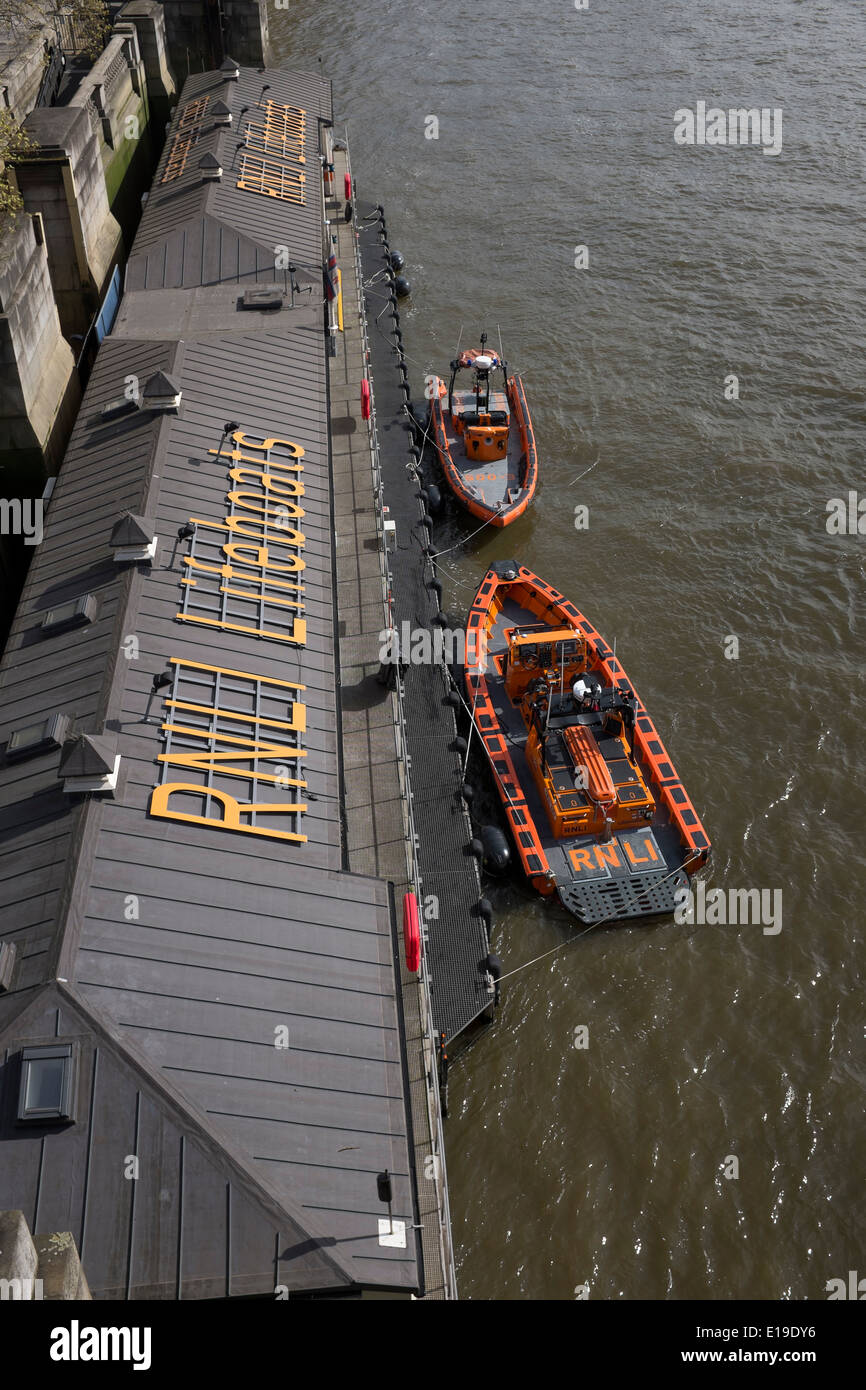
(230, 70)
(269, 298)
(89, 763)
(133, 539)
(210, 167)
(222, 114)
(161, 392)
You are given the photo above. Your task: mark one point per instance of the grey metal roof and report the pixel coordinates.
(173, 950)
(199, 1221)
(199, 231)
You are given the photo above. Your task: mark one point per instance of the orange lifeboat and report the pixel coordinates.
(483, 435)
(597, 812)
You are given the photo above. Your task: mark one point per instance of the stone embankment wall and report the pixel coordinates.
(38, 1267)
(82, 186)
(200, 36)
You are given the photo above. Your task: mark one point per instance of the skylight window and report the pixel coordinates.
(47, 1083)
(120, 406)
(76, 613)
(31, 740)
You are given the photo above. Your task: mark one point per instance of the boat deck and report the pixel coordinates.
(608, 889)
(498, 482)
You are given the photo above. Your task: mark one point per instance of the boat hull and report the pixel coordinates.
(637, 870)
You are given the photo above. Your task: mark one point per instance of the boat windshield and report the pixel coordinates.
(550, 652)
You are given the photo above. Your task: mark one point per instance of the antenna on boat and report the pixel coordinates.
(499, 336)
(549, 706)
(561, 671)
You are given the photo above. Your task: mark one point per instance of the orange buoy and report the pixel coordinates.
(365, 399)
(411, 932)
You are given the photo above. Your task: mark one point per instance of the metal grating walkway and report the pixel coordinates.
(457, 944)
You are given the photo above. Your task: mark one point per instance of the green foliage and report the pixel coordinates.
(91, 25)
(13, 143)
(87, 20)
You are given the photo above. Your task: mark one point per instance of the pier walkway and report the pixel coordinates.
(379, 833)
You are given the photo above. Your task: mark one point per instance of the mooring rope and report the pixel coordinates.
(611, 916)
(437, 553)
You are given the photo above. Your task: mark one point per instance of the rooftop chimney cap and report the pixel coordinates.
(133, 540)
(161, 384)
(132, 530)
(161, 392)
(230, 67)
(88, 755)
(210, 166)
(221, 108)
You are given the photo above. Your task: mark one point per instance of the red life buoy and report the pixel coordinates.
(411, 932)
(347, 186)
(365, 399)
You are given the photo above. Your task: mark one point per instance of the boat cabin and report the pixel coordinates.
(557, 656)
(579, 747)
(481, 416)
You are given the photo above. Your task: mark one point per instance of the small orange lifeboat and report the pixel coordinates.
(483, 435)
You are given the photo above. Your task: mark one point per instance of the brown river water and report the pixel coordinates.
(610, 1166)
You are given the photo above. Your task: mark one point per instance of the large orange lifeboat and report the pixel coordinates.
(596, 809)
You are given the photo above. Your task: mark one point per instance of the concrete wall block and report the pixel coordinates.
(60, 1268)
(19, 247)
(18, 1258)
(68, 130)
(22, 74)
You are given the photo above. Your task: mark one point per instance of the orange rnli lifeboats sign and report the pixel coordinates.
(232, 752)
(632, 852)
(243, 570)
(232, 757)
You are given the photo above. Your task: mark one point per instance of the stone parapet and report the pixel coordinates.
(63, 180)
(39, 386)
(46, 1267)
